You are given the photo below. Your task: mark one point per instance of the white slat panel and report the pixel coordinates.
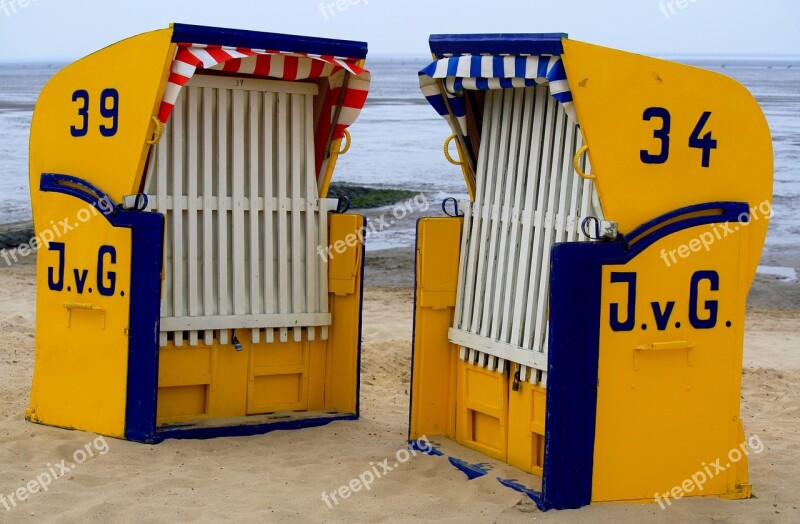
(209, 297)
(223, 251)
(529, 214)
(474, 234)
(297, 239)
(191, 234)
(178, 163)
(499, 176)
(161, 201)
(483, 205)
(270, 282)
(554, 175)
(509, 193)
(237, 211)
(284, 276)
(310, 194)
(515, 251)
(254, 112)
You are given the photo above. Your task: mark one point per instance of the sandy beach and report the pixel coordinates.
(281, 476)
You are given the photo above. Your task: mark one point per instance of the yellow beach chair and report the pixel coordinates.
(586, 324)
(194, 293)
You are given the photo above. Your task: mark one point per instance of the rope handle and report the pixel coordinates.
(576, 163)
(447, 151)
(159, 132)
(347, 141)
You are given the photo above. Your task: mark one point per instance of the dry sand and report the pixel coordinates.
(279, 477)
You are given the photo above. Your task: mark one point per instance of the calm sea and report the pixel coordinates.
(397, 139)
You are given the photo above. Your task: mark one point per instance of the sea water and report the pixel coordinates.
(397, 141)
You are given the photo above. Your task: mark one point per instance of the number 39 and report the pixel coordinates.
(706, 142)
(109, 109)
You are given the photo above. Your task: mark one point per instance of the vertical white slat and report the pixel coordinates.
(284, 275)
(547, 241)
(568, 177)
(534, 180)
(514, 245)
(223, 252)
(297, 237)
(532, 299)
(237, 148)
(208, 214)
(178, 169)
(268, 137)
(503, 272)
(586, 194)
(499, 175)
(162, 153)
(466, 208)
(254, 112)
(489, 179)
(193, 155)
(468, 295)
(310, 196)
(574, 225)
(323, 267)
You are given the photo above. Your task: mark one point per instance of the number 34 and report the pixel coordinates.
(109, 109)
(706, 142)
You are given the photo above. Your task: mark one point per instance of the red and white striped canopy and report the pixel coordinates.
(283, 66)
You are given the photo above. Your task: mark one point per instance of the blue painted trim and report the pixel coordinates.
(147, 245)
(413, 332)
(534, 495)
(197, 34)
(498, 43)
(472, 471)
(361, 316)
(245, 430)
(575, 284)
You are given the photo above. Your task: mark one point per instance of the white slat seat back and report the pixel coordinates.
(234, 175)
(527, 197)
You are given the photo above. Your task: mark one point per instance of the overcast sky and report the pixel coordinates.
(53, 29)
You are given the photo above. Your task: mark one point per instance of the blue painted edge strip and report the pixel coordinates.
(413, 331)
(198, 34)
(361, 315)
(498, 43)
(147, 238)
(575, 285)
(246, 430)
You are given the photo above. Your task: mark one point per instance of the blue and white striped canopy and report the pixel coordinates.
(484, 72)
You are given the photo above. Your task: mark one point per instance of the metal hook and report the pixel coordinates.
(141, 202)
(343, 204)
(456, 211)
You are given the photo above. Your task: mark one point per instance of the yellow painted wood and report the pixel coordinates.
(527, 408)
(433, 388)
(137, 68)
(661, 416)
(611, 91)
(81, 361)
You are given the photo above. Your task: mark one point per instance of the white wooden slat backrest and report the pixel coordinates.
(234, 174)
(527, 197)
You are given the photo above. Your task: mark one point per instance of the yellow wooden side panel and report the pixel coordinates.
(630, 105)
(344, 271)
(278, 377)
(92, 119)
(433, 383)
(527, 408)
(81, 369)
(670, 377)
(482, 410)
